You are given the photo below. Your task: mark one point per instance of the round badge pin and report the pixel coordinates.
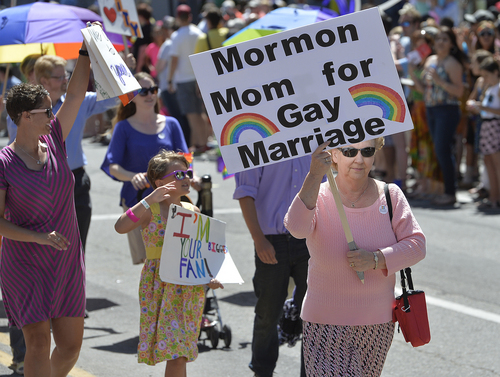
(383, 209)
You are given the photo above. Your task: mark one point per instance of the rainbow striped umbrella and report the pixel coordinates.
(47, 29)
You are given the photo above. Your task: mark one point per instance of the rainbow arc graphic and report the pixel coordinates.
(388, 100)
(243, 122)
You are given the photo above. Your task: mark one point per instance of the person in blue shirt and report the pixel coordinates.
(10, 81)
(141, 132)
(264, 194)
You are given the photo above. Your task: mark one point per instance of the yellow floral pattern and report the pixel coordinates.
(170, 314)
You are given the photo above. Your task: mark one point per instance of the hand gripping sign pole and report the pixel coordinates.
(343, 218)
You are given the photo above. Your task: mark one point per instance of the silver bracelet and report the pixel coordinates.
(375, 258)
(144, 203)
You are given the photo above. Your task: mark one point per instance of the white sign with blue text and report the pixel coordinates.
(112, 76)
(195, 251)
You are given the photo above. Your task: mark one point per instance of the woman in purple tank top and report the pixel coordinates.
(42, 271)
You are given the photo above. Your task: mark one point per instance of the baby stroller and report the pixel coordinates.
(211, 323)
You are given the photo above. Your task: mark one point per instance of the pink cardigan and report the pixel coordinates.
(335, 295)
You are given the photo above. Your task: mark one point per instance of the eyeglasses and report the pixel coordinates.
(486, 33)
(47, 111)
(144, 91)
(405, 24)
(61, 78)
(180, 174)
(353, 152)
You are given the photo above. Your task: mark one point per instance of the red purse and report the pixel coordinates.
(410, 309)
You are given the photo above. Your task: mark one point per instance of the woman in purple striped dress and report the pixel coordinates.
(42, 271)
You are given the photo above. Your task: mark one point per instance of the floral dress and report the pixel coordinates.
(170, 313)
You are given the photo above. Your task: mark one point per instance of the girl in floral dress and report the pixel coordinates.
(170, 313)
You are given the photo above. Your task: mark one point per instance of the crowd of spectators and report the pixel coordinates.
(455, 143)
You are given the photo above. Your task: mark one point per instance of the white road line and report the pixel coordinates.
(115, 216)
(459, 308)
(478, 313)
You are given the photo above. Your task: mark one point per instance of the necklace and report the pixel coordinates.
(357, 200)
(38, 162)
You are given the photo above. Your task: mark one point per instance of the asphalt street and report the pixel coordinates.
(458, 276)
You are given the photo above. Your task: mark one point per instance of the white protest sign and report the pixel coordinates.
(194, 248)
(111, 74)
(278, 97)
(120, 16)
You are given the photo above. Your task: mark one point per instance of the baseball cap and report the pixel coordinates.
(183, 8)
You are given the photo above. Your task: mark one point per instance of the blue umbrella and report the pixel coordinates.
(281, 19)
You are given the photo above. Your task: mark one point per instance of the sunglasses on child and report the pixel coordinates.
(47, 111)
(180, 174)
(144, 91)
(353, 152)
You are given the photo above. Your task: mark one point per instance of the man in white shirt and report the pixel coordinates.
(162, 70)
(181, 75)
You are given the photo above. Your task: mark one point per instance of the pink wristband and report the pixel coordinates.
(131, 216)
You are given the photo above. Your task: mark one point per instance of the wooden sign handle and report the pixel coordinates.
(343, 218)
(125, 44)
(4, 89)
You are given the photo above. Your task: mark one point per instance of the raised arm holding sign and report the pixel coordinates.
(336, 303)
(274, 100)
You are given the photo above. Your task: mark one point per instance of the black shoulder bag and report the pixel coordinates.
(410, 309)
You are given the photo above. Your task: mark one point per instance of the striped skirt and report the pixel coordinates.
(346, 351)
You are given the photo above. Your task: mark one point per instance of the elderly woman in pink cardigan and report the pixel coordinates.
(348, 325)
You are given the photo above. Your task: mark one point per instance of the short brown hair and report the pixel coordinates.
(158, 165)
(24, 97)
(46, 64)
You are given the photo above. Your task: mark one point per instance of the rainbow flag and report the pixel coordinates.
(221, 168)
(189, 158)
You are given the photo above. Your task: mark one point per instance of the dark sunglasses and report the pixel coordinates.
(48, 111)
(353, 152)
(405, 24)
(144, 91)
(485, 33)
(180, 174)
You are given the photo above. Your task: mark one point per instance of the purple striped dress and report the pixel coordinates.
(39, 282)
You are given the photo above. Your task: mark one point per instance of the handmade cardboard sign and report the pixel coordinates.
(120, 16)
(194, 250)
(111, 74)
(278, 97)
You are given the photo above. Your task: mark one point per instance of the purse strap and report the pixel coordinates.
(404, 277)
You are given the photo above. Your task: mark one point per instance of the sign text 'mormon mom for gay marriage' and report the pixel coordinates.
(280, 96)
